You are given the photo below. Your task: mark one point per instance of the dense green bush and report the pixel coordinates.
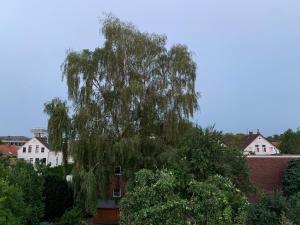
(23, 176)
(71, 217)
(268, 211)
(157, 198)
(291, 178)
(293, 211)
(11, 204)
(58, 197)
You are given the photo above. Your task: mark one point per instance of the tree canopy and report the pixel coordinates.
(157, 198)
(131, 100)
(290, 142)
(201, 154)
(59, 126)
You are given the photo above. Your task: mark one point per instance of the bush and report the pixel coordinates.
(157, 198)
(11, 205)
(268, 211)
(71, 217)
(291, 178)
(58, 196)
(23, 176)
(293, 212)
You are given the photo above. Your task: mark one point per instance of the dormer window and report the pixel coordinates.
(117, 193)
(118, 171)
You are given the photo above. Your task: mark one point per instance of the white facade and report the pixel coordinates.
(261, 146)
(35, 150)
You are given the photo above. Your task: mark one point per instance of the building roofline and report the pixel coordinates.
(273, 156)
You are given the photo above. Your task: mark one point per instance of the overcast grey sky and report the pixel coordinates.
(247, 53)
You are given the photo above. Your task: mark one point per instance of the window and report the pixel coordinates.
(29, 148)
(37, 147)
(118, 171)
(42, 149)
(43, 160)
(37, 160)
(257, 148)
(31, 160)
(117, 193)
(24, 149)
(264, 148)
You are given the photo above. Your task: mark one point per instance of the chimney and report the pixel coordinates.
(258, 131)
(250, 132)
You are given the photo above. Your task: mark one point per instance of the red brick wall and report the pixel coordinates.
(266, 171)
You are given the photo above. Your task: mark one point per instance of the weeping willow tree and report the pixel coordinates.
(59, 126)
(132, 98)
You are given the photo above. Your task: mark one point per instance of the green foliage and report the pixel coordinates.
(268, 211)
(157, 198)
(233, 140)
(58, 197)
(293, 211)
(59, 126)
(285, 221)
(202, 154)
(11, 204)
(132, 99)
(23, 176)
(290, 142)
(71, 217)
(291, 178)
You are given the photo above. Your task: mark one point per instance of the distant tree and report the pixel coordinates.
(290, 142)
(59, 126)
(275, 138)
(58, 197)
(132, 98)
(202, 154)
(291, 178)
(11, 204)
(233, 140)
(156, 198)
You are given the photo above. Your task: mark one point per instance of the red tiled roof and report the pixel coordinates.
(9, 150)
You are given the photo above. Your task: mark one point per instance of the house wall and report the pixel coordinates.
(52, 158)
(256, 147)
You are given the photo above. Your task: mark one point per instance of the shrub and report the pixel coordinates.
(291, 178)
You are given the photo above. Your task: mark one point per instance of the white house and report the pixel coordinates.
(37, 149)
(257, 144)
